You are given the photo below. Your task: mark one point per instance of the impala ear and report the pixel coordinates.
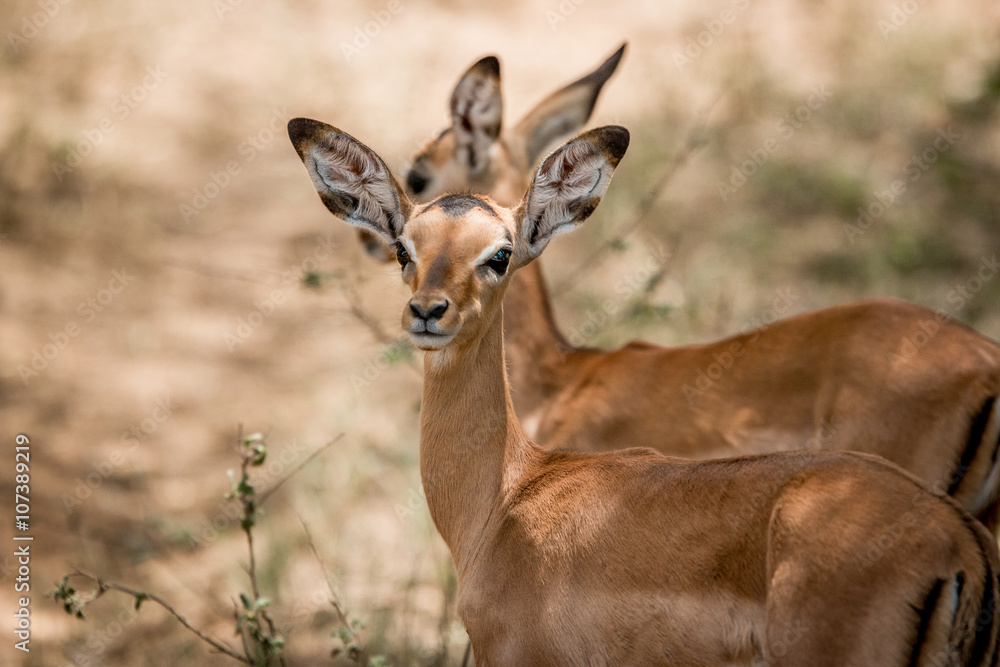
(476, 111)
(569, 184)
(351, 179)
(565, 111)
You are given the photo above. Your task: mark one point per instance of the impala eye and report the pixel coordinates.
(416, 182)
(499, 261)
(402, 256)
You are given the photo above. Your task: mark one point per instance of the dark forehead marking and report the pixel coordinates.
(458, 205)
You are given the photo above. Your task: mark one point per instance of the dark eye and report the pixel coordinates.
(415, 182)
(499, 261)
(402, 256)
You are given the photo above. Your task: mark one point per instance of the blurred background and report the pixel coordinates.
(169, 274)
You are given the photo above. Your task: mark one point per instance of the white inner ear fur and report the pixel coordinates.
(477, 99)
(577, 171)
(339, 165)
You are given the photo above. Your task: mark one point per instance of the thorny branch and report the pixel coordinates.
(694, 140)
(105, 586)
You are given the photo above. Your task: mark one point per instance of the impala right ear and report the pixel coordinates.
(476, 112)
(353, 182)
(569, 184)
(565, 111)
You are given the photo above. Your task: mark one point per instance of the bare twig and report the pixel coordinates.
(349, 634)
(104, 586)
(364, 317)
(371, 322)
(212, 272)
(243, 635)
(248, 505)
(692, 142)
(267, 494)
(334, 599)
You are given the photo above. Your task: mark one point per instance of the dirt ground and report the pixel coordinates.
(170, 277)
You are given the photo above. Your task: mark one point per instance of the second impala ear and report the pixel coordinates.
(565, 111)
(476, 112)
(569, 184)
(353, 182)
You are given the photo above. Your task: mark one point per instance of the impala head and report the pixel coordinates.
(457, 252)
(475, 154)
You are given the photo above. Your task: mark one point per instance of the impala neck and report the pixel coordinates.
(473, 451)
(535, 347)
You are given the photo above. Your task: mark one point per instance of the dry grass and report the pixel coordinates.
(159, 348)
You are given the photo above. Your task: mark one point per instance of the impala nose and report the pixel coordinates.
(431, 311)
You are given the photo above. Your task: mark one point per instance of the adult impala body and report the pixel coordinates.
(631, 557)
(884, 377)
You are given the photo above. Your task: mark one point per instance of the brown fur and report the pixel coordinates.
(631, 557)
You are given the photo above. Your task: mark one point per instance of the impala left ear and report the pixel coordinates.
(568, 185)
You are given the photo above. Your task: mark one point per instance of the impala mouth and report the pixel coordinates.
(426, 335)
(428, 340)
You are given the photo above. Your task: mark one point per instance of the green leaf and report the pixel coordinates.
(139, 599)
(246, 601)
(259, 455)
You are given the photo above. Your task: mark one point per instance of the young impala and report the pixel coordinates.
(884, 377)
(633, 558)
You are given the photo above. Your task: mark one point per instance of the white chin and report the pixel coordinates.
(429, 342)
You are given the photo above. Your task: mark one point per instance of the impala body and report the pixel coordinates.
(883, 377)
(632, 557)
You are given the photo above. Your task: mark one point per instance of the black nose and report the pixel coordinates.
(432, 312)
(416, 182)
